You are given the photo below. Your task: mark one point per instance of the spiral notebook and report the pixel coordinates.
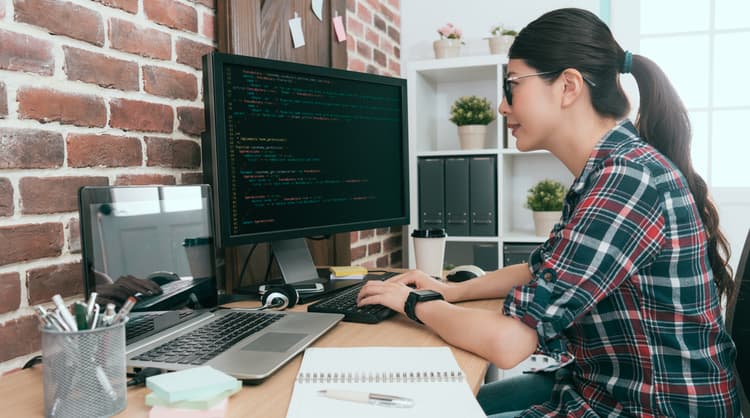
(430, 376)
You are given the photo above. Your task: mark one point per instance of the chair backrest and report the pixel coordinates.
(738, 324)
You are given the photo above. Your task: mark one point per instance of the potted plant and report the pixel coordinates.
(545, 199)
(449, 44)
(472, 114)
(501, 39)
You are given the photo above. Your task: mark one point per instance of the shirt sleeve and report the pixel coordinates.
(615, 228)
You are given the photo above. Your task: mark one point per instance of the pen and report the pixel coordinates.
(90, 306)
(79, 309)
(108, 315)
(124, 310)
(64, 313)
(104, 381)
(371, 398)
(94, 317)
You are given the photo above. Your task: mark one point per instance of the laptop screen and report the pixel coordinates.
(151, 242)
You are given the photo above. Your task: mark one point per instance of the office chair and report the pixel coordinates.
(738, 324)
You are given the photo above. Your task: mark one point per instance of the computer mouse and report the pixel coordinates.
(463, 273)
(163, 277)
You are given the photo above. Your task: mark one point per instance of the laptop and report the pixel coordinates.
(155, 243)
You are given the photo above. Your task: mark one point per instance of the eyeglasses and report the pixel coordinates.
(508, 91)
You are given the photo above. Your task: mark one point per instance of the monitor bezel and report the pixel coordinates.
(216, 170)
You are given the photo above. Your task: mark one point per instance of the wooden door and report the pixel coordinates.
(260, 28)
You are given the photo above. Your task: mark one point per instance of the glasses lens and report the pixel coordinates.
(507, 92)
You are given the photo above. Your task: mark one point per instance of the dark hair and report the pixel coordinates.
(576, 38)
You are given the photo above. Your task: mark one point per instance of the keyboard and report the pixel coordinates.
(208, 341)
(141, 326)
(345, 302)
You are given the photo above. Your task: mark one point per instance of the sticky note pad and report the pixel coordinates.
(198, 382)
(164, 412)
(199, 402)
(347, 270)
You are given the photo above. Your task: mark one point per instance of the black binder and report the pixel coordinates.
(483, 196)
(431, 193)
(457, 196)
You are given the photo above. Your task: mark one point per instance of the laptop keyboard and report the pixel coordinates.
(345, 302)
(208, 341)
(144, 324)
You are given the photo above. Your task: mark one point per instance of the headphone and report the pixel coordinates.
(279, 297)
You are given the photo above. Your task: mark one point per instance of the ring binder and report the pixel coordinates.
(391, 377)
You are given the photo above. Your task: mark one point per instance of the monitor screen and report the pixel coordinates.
(295, 150)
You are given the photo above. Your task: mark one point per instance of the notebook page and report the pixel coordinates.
(428, 375)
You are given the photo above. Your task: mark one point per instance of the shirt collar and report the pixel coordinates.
(622, 133)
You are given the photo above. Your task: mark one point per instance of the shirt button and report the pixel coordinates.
(548, 276)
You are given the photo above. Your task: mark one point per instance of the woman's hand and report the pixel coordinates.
(393, 292)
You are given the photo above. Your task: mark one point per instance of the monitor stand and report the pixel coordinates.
(295, 261)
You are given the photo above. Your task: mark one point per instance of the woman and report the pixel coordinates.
(625, 294)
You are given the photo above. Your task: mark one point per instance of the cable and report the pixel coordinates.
(141, 376)
(32, 362)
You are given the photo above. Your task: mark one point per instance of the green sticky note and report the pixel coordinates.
(196, 383)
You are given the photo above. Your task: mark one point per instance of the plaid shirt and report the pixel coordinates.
(623, 290)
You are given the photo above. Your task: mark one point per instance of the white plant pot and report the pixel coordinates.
(545, 221)
(447, 48)
(472, 136)
(501, 44)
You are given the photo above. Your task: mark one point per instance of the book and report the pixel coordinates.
(197, 382)
(198, 402)
(428, 376)
(339, 271)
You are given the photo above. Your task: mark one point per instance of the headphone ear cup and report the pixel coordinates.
(284, 293)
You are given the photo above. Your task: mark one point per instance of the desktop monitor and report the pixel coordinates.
(295, 150)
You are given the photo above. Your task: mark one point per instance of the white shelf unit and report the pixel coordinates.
(433, 86)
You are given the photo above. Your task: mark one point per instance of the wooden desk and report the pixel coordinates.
(21, 392)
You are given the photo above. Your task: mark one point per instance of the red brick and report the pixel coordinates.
(19, 336)
(382, 231)
(209, 26)
(25, 53)
(353, 237)
(62, 18)
(191, 178)
(45, 282)
(372, 69)
(130, 6)
(394, 34)
(397, 51)
(372, 37)
(129, 37)
(6, 197)
(367, 233)
(364, 13)
(191, 53)
(171, 13)
(374, 248)
(100, 69)
(379, 23)
(3, 100)
(359, 252)
(134, 115)
(396, 258)
(74, 236)
(392, 17)
(180, 153)
(144, 179)
(54, 194)
(169, 83)
(382, 261)
(10, 292)
(47, 105)
(379, 57)
(363, 49)
(392, 243)
(356, 64)
(192, 120)
(354, 27)
(103, 151)
(30, 242)
(394, 68)
(351, 6)
(369, 265)
(30, 148)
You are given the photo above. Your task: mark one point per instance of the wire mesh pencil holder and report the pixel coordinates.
(84, 372)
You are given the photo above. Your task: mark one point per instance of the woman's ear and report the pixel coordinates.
(572, 86)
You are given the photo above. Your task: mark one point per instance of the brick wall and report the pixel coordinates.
(97, 92)
(91, 93)
(373, 46)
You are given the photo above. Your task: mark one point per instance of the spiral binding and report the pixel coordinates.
(391, 377)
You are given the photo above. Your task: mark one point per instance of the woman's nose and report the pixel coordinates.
(503, 109)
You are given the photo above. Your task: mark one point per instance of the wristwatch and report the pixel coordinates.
(416, 296)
